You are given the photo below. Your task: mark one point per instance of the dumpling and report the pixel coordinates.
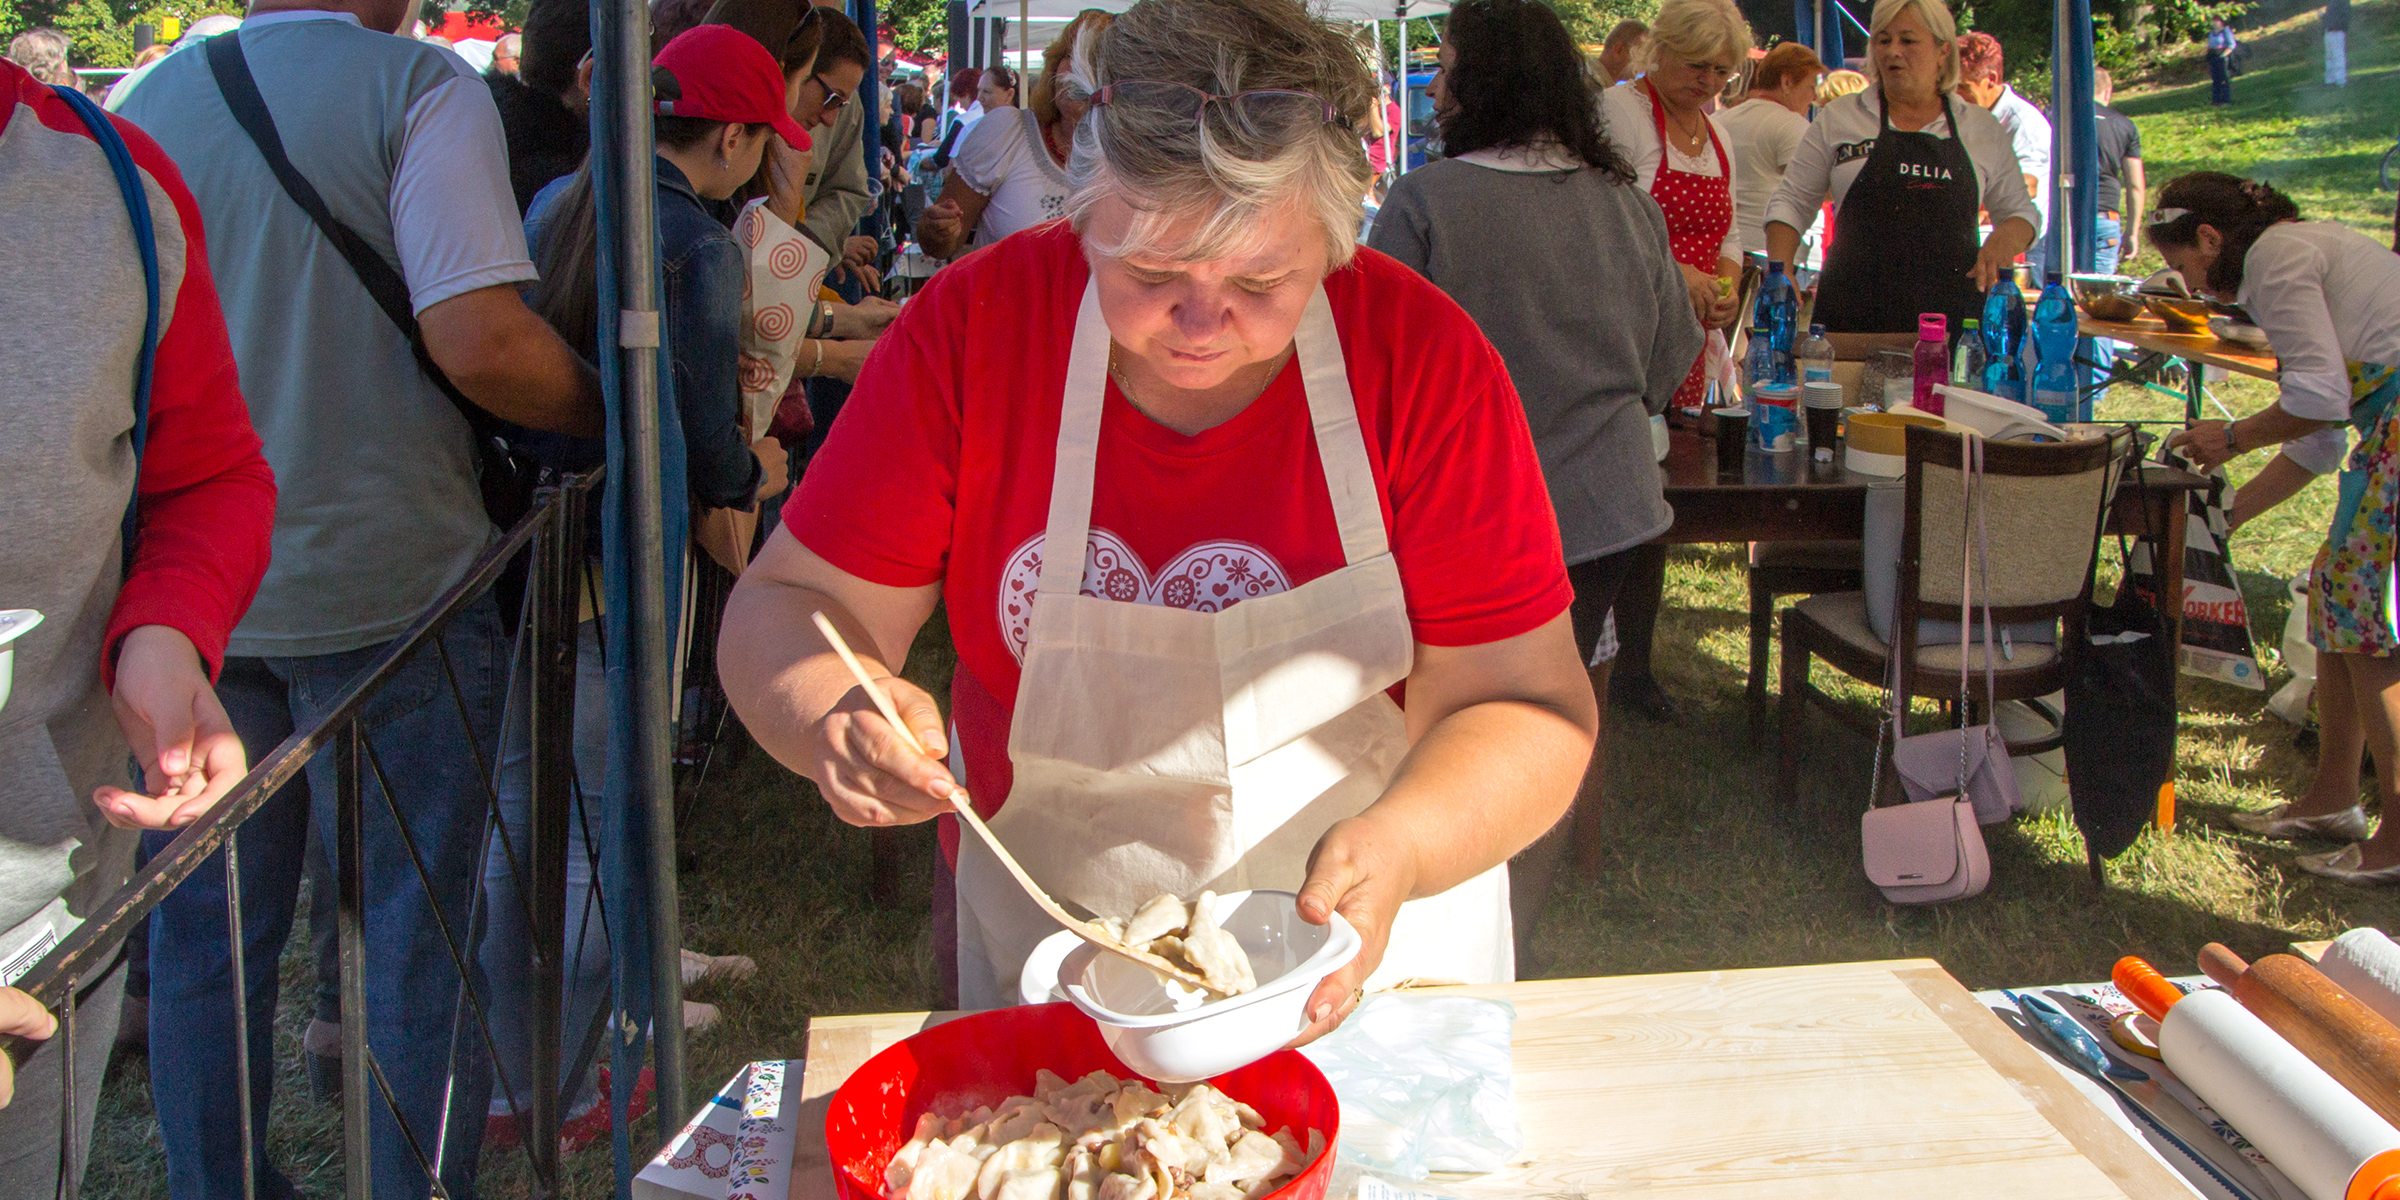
(942, 1173)
(1125, 1187)
(1157, 917)
(1213, 1191)
(1220, 958)
(1251, 1158)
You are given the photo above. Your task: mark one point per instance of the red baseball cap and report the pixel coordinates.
(723, 74)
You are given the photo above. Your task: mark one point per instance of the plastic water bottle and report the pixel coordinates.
(2054, 338)
(1776, 311)
(2004, 341)
(1967, 361)
(1932, 361)
(1816, 357)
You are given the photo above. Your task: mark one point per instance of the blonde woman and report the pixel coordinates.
(1908, 168)
(1683, 156)
(1196, 481)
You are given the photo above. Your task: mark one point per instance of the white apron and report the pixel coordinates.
(1163, 750)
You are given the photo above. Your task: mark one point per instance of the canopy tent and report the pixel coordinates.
(1339, 10)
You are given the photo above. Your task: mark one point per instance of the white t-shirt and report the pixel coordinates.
(2327, 296)
(1763, 135)
(1003, 157)
(1839, 140)
(1625, 109)
(2029, 135)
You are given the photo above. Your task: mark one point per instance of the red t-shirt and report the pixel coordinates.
(939, 471)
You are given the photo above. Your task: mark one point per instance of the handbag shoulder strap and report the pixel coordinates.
(382, 280)
(145, 241)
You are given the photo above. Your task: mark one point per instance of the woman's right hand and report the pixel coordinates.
(872, 774)
(844, 358)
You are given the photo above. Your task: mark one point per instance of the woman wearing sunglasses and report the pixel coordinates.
(1010, 171)
(1199, 484)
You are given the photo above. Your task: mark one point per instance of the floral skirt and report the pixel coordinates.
(2351, 599)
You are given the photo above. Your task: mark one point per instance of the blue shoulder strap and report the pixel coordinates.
(137, 207)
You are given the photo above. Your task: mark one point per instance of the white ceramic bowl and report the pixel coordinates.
(14, 623)
(1174, 1034)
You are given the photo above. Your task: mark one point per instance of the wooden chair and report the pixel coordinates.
(2043, 505)
(1790, 569)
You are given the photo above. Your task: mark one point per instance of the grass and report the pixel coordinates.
(1702, 872)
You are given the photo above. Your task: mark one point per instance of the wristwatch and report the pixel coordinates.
(2232, 443)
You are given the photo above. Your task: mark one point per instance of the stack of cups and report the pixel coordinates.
(1823, 402)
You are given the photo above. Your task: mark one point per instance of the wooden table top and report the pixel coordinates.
(1843, 1080)
(2150, 333)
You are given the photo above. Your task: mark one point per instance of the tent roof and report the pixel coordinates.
(1340, 10)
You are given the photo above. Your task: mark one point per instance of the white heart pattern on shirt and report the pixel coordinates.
(1209, 577)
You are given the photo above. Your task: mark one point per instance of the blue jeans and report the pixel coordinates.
(507, 946)
(2220, 79)
(2108, 236)
(429, 751)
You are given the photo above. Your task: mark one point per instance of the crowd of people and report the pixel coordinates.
(1353, 528)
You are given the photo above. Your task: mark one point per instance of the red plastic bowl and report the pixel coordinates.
(990, 1056)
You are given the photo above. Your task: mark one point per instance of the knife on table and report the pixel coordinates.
(2163, 1113)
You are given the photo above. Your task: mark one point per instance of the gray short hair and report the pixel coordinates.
(43, 54)
(1171, 169)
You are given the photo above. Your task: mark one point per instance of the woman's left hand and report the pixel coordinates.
(1362, 871)
(179, 732)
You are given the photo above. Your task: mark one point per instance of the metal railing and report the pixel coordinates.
(553, 534)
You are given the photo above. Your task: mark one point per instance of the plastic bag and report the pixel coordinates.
(2216, 619)
(1426, 1083)
(2291, 701)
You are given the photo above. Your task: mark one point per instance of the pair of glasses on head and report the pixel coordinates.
(1266, 111)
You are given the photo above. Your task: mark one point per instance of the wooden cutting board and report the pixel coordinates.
(1844, 1080)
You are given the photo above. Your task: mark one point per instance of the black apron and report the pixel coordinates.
(1905, 240)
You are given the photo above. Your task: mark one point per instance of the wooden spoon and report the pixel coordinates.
(1087, 930)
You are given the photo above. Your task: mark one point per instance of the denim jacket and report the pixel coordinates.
(701, 270)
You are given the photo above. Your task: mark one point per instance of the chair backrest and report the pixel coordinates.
(2042, 506)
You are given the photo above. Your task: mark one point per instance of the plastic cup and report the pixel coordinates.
(1824, 429)
(1733, 437)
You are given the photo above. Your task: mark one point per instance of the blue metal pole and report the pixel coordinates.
(870, 139)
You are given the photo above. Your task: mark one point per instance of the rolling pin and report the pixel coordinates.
(2327, 1141)
(2349, 1040)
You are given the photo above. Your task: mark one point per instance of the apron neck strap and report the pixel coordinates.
(1332, 410)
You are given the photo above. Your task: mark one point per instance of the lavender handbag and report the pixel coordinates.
(1929, 848)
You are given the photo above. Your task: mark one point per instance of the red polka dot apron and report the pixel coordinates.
(1699, 212)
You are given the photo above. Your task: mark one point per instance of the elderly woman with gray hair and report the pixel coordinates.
(1200, 485)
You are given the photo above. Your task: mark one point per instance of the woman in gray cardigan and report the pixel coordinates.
(1534, 225)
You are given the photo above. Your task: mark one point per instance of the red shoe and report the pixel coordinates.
(501, 1132)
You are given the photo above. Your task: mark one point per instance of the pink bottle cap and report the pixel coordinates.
(1933, 327)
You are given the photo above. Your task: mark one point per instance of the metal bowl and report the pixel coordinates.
(2107, 297)
(2183, 314)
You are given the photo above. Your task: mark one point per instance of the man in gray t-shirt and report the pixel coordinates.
(380, 514)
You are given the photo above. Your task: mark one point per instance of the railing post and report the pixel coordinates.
(241, 1010)
(550, 727)
(349, 925)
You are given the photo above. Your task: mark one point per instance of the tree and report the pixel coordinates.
(919, 25)
(102, 30)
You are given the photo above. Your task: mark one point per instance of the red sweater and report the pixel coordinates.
(207, 498)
